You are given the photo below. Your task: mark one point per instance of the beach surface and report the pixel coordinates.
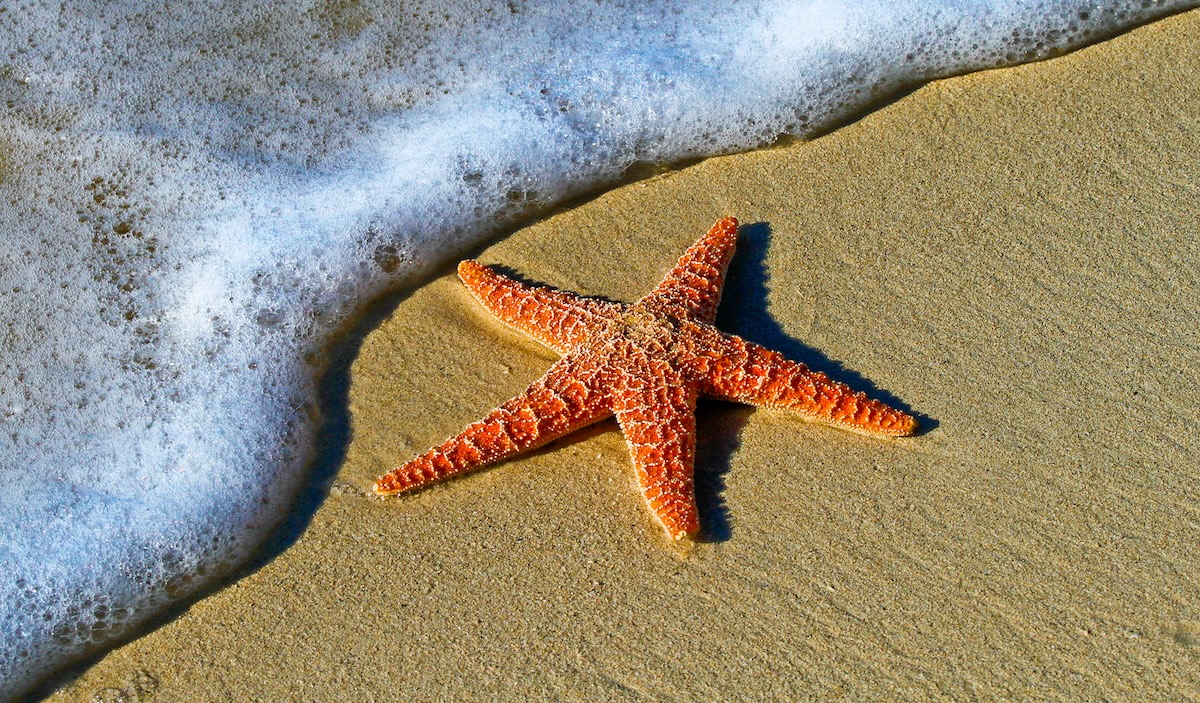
(1012, 255)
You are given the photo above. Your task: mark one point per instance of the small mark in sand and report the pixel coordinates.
(343, 488)
(140, 686)
(1187, 633)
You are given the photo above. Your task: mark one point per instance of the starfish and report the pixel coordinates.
(646, 363)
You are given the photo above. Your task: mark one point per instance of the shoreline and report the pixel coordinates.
(852, 259)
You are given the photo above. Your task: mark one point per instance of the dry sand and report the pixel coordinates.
(1011, 254)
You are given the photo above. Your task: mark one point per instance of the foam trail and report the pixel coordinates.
(194, 195)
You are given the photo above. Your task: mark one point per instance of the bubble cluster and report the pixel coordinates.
(195, 196)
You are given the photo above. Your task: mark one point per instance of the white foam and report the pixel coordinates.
(195, 196)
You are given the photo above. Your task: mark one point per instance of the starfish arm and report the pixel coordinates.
(559, 319)
(745, 372)
(565, 399)
(693, 287)
(657, 412)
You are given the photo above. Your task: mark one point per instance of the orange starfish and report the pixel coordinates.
(646, 363)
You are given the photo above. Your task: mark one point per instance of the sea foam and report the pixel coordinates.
(196, 195)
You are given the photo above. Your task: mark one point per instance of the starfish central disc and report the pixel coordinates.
(645, 363)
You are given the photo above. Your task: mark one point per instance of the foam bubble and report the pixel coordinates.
(195, 196)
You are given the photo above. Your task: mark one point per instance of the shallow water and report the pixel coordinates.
(194, 200)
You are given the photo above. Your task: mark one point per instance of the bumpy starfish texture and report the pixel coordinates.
(646, 363)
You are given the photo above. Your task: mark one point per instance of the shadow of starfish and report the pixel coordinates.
(744, 312)
(718, 437)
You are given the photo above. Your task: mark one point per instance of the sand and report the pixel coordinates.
(1011, 254)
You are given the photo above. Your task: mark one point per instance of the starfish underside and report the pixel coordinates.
(645, 363)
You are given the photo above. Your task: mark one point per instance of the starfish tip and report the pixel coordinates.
(683, 534)
(468, 268)
(386, 485)
(907, 426)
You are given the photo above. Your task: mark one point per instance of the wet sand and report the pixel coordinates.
(1011, 254)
